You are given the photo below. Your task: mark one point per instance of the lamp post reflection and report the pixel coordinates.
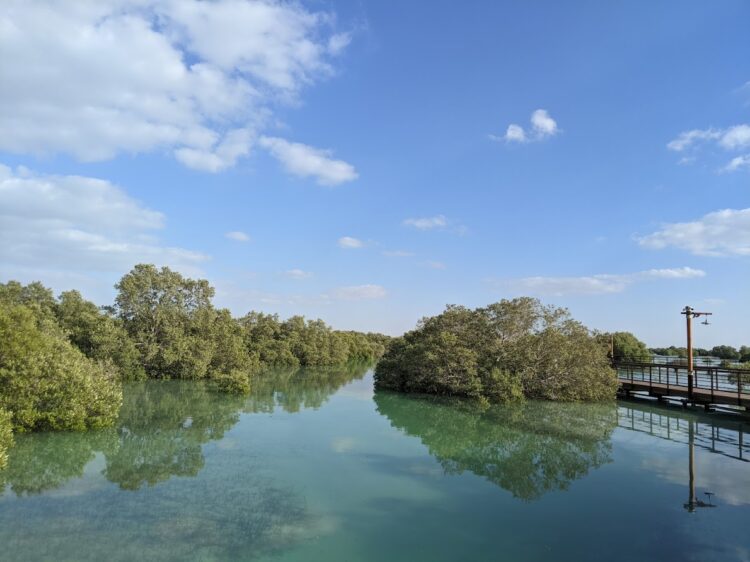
(693, 503)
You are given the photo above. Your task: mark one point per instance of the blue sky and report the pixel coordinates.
(370, 162)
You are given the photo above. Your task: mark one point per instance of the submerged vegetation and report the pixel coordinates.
(503, 352)
(62, 360)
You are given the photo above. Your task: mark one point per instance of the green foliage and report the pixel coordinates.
(34, 295)
(726, 352)
(45, 382)
(169, 318)
(61, 360)
(181, 335)
(234, 381)
(97, 335)
(503, 352)
(6, 437)
(299, 342)
(673, 351)
(626, 347)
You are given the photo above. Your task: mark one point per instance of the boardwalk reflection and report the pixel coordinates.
(711, 436)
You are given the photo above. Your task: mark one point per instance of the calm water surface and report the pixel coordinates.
(315, 466)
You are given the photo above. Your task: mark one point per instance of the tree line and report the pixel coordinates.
(62, 360)
(626, 347)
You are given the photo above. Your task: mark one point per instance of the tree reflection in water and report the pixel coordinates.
(528, 449)
(296, 389)
(235, 509)
(162, 428)
(45, 461)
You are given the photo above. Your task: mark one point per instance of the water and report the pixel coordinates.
(315, 466)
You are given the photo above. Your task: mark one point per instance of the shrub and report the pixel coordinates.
(235, 381)
(45, 382)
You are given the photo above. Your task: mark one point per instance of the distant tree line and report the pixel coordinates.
(726, 352)
(503, 352)
(624, 346)
(62, 360)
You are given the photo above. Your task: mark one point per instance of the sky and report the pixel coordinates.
(369, 162)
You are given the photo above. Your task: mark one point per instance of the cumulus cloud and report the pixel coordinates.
(720, 233)
(604, 283)
(515, 133)
(542, 126)
(349, 243)
(198, 79)
(427, 223)
(78, 224)
(733, 138)
(305, 161)
(359, 292)
(238, 235)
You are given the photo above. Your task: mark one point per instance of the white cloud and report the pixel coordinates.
(737, 163)
(77, 224)
(427, 223)
(397, 253)
(542, 126)
(199, 79)
(686, 139)
(604, 283)
(721, 233)
(515, 133)
(338, 42)
(736, 137)
(732, 138)
(359, 292)
(234, 145)
(305, 161)
(298, 274)
(238, 235)
(350, 243)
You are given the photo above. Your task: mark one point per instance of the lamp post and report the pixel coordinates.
(690, 313)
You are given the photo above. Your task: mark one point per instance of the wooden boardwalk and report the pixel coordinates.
(711, 385)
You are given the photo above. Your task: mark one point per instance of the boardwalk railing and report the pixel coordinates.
(719, 385)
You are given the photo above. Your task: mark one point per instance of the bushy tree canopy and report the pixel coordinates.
(505, 351)
(45, 382)
(626, 347)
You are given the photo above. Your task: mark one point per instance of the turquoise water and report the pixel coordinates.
(316, 466)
